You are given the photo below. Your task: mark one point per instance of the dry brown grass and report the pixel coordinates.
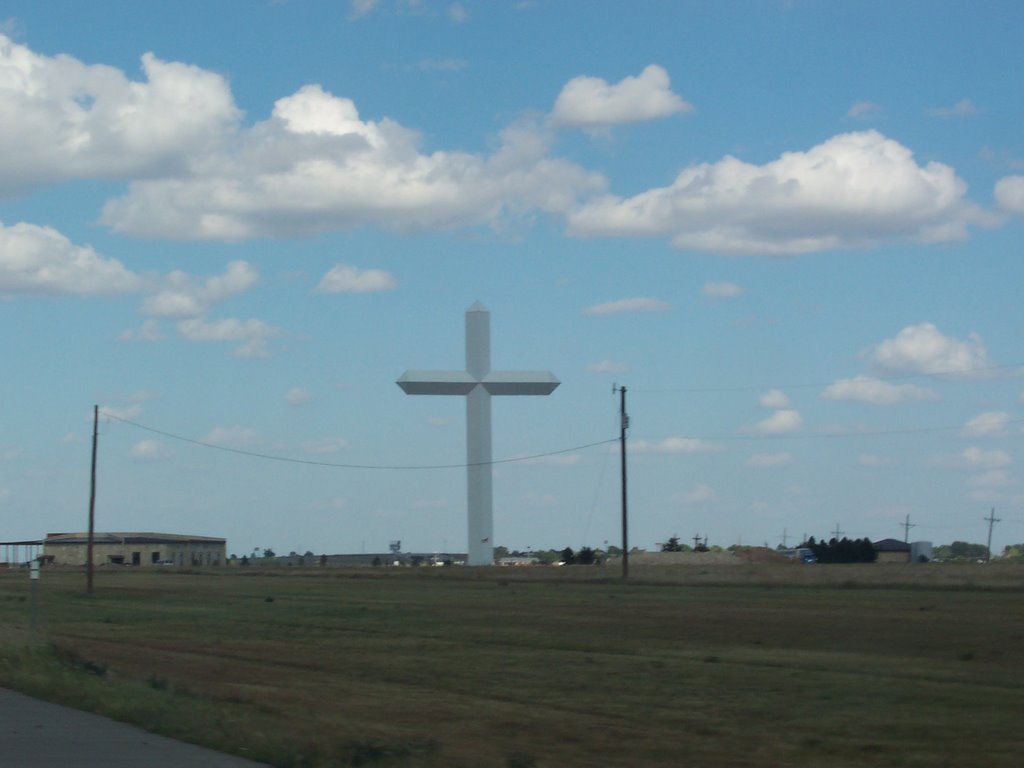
(707, 665)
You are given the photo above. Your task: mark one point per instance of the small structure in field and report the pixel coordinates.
(137, 549)
(17, 553)
(892, 551)
(921, 552)
(518, 561)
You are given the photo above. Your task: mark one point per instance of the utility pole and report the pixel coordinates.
(784, 543)
(907, 525)
(991, 520)
(837, 533)
(34, 580)
(92, 500)
(623, 426)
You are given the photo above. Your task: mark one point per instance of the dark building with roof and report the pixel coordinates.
(896, 551)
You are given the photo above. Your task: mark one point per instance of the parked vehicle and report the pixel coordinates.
(803, 554)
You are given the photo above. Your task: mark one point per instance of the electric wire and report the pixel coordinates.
(338, 465)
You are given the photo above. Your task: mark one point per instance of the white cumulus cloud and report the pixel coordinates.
(979, 457)
(683, 445)
(781, 422)
(863, 110)
(700, 494)
(457, 13)
(607, 366)
(61, 118)
(315, 165)
(590, 102)
(185, 296)
(722, 290)
(922, 348)
(234, 436)
(148, 331)
(853, 190)
(1009, 194)
(343, 278)
(621, 306)
(40, 261)
(253, 334)
(149, 450)
(773, 398)
(988, 424)
(866, 389)
(963, 108)
(995, 478)
(362, 7)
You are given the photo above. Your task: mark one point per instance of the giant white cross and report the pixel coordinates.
(478, 382)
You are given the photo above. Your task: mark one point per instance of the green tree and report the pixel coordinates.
(586, 556)
(842, 550)
(960, 552)
(568, 556)
(1013, 552)
(672, 545)
(866, 551)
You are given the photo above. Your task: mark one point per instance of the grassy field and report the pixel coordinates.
(733, 666)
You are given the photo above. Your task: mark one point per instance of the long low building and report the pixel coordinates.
(137, 549)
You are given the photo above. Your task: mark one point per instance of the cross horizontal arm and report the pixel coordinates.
(436, 383)
(520, 382)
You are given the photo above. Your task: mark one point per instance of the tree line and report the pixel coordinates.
(843, 550)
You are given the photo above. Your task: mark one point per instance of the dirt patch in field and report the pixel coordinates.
(875, 575)
(743, 556)
(683, 558)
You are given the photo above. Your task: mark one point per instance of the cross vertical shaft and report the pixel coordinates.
(478, 383)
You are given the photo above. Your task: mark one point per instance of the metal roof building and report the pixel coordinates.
(137, 549)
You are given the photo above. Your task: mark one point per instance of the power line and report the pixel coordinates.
(336, 465)
(841, 435)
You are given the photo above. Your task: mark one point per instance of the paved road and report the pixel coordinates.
(37, 734)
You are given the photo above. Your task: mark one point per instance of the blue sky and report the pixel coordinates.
(791, 229)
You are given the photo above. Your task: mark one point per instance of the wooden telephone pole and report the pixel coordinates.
(907, 525)
(92, 500)
(623, 426)
(991, 520)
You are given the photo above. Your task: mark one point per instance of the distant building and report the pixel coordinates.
(14, 553)
(892, 551)
(137, 549)
(380, 559)
(518, 561)
(896, 551)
